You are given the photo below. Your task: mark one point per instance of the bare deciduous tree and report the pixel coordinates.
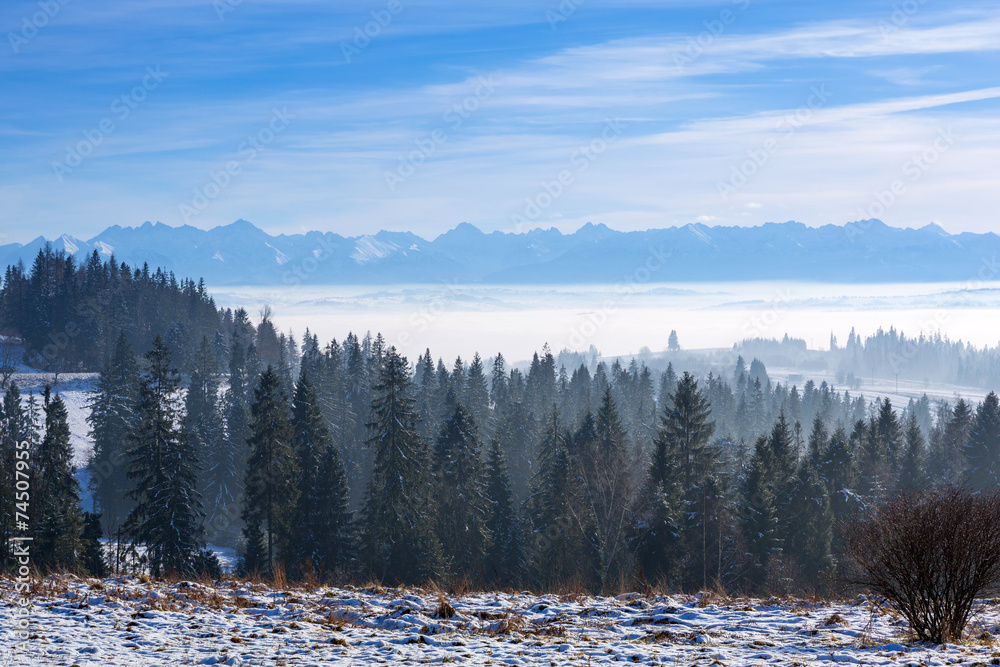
(930, 555)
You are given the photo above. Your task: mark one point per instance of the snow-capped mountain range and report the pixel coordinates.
(242, 254)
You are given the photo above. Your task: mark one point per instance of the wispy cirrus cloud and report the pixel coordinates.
(892, 84)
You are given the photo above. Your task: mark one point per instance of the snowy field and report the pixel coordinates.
(126, 622)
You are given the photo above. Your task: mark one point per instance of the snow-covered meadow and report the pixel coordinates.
(123, 621)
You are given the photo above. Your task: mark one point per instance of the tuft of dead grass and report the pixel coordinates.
(444, 609)
(834, 619)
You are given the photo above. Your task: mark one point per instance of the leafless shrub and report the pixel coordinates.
(929, 555)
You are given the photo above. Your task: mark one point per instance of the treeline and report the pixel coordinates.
(344, 462)
(69, 315)
(886, 354)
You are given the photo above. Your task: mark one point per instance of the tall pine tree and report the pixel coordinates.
(270, 494)
(398, 538)
(982, 449)
(112, 418)
(203, 428)
(461, 494)
(58, 519)
(322, 522)
(505, 557)
(167, 517)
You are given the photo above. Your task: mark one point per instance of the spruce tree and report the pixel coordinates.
(461, 494)
(681, 485)
(203, 427)
(881, 452)
(767, 497)
(112, 417)
(499, 386)
(557, 543)
(811, 536)
(321, 519)
(92, 557)
(505, 557)
(518, 434)
(949, 455)
(337, 545)
(270, 491)
(167, 517)
(57, 520)
(226, 469)
(608, 471)
(398, 538)
(982, 450)
(811, 530)
(582, 491)
(912, 466)
(477, 396)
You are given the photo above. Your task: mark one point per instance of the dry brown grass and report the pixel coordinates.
(278, 579)
(444, 609)
(834, 619)
(509, 624)
(716, 596)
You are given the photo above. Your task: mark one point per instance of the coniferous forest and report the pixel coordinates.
(344, 461)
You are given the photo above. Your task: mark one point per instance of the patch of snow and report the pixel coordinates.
(369, 249)
(71, 247)
(104, 249)
(279, 256)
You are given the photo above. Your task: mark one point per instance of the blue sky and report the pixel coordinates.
(635, 113)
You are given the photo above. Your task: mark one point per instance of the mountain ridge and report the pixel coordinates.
(242, 254)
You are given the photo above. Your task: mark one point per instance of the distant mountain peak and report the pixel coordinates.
(242, 225)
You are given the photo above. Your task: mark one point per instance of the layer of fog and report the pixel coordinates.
(625, 319)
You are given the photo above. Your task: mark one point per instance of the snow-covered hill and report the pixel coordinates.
(242, 254)
(126, 622)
